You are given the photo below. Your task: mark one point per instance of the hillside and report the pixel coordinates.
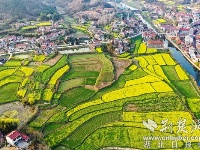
(23, 9)
(71, 6)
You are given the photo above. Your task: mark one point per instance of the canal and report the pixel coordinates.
(185, 64)
(176, 54)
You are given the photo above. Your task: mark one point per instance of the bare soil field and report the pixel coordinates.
(23, 113)
(120, 66)
(53, 61)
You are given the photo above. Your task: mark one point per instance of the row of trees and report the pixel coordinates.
(8, 124)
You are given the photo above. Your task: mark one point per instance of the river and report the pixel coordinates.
(185, 64)
(176, 54)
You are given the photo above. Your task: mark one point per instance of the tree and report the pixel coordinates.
(8, 124)
(56, 17)
(110, 47)
(190, 20)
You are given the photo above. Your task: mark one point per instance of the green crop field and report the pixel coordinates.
(39, 58)
(72, 83)
(13, 63)
(83, 107)
(74, 96)
(80, 106)
(137, 41)
(9, 88)
(50, 71)
(187, 89)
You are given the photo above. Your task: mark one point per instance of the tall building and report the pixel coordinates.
(128, 16)
(115, 6)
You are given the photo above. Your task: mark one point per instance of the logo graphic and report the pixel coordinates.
(150, 124)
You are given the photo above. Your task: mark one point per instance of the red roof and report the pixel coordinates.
(197, 11)
(185, 29)
(20, 45)
(149, 34)
(198, 36)
(44, 47)
(157, 42)
(25, 137)
(13, 135)
(183, 14)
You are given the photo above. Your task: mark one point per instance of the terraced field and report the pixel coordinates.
(109, 111)
(87, 110)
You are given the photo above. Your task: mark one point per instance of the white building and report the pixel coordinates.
(17, 139)
(189, 39)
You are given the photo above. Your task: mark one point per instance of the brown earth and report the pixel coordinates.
(120, 66)
(24, 113)
(131, 107)
(53, 61)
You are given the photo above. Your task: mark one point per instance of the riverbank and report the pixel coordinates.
(184, 54)
(167, 37)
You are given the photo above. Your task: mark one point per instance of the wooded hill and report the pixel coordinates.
(71, 6)
(18, 9)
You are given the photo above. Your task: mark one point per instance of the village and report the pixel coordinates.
(180, 24)
(96, 27)
(101, 26)
(102, 30)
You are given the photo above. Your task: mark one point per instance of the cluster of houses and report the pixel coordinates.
(20, 44)
(121, 30)
(45, 44)
(121, 45)
(183, 27)
(19, 25)
(98, 16)
(15, 139)
(153, 40)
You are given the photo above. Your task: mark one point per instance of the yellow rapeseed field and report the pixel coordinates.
(159, 59)
(173, 118)
(142, 49)
(151, 50)
(144, 79)
(142, 62)
(25, 81)
(150, 60)
(21, 92)
(129, 91)
(161, 87)
(168, 59)
(58, 74)
(133, 67)
(159, 72)
(27, 71)
(151, 68)
(11, 79)
(181, 73)
(82, 106)
(42, 68)
(5, 73)
(47, 95)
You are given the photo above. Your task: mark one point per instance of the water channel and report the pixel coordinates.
(185, 64)
(176, 54)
